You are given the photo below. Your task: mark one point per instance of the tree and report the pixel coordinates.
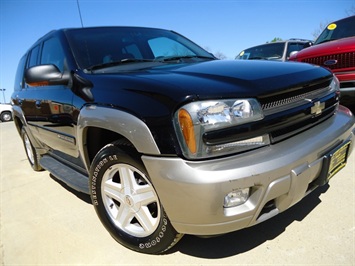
(351, 11)
(276, 39)
(220, 55)
(217, 54)
(319, 30)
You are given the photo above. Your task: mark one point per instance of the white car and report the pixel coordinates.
(5, 112)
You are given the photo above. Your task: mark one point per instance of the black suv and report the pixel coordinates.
(168, 140)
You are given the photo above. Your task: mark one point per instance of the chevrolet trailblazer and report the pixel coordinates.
(168, 140)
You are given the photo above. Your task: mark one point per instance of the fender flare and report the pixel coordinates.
(123, 123)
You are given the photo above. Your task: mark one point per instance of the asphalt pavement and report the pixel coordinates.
(43, 222)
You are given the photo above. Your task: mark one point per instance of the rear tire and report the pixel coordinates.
(6, 117)
(126, 202)
(30, 151)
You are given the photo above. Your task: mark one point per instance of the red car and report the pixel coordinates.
(335, 49)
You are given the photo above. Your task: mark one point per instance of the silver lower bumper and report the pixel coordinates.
(279, 176)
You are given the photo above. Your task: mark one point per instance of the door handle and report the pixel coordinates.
(38, 104)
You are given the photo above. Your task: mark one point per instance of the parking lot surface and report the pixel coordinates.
(43, 222)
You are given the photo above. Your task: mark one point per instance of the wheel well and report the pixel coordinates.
(97, 138)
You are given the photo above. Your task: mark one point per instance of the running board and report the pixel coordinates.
(66, 174)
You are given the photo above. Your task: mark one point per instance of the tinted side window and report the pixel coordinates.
(19, 84)
(33, 56)
(293, 47)
(32, 60)
(52, 53)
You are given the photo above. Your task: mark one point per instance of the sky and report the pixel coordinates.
(220, 26)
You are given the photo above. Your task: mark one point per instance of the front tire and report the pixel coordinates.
(127, 203)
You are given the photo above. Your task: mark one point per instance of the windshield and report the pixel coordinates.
(93, 47)
(266, 51)
(337, 30)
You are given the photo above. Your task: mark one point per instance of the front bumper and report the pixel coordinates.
(347, 87)
(347, 93)
(279, 176)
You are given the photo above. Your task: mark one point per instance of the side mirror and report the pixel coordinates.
(293, 53)
(44, 75)
(308, 44)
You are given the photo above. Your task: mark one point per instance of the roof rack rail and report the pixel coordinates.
(299, 39)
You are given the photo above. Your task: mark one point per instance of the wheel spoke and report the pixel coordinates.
(110, 188)
(146, 220)
(113, 190)
(145, 195)
(124, 216)
(128, 181)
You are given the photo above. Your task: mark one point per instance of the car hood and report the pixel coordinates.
(333, 47)
(233, 78)
(168, 86)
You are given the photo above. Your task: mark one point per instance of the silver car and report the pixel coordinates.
(280, 50)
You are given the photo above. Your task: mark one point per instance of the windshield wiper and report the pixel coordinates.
(264, 58)
(179, 57)
(256, 58)
(117, 63)
(136, 60)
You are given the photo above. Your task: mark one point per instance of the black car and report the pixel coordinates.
(168, 140)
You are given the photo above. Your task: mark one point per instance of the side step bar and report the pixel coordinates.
(66, 174)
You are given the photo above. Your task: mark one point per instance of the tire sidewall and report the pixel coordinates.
(35, 165)
(4, 115)
(164, 235)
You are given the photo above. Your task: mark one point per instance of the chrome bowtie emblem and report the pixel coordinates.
(317, 108)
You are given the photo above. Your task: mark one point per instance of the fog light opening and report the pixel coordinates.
(236, 197)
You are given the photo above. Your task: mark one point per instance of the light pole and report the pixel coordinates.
(3, 94)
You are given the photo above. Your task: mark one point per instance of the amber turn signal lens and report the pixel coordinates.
(187, 129)
(38, 84)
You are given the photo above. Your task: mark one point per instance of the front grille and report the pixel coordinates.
(292, 112)
(305, 120)
(344, 60)
(277, 105)
(288, 99)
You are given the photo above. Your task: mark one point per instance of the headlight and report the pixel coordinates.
(335, 85)
(197, 118)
